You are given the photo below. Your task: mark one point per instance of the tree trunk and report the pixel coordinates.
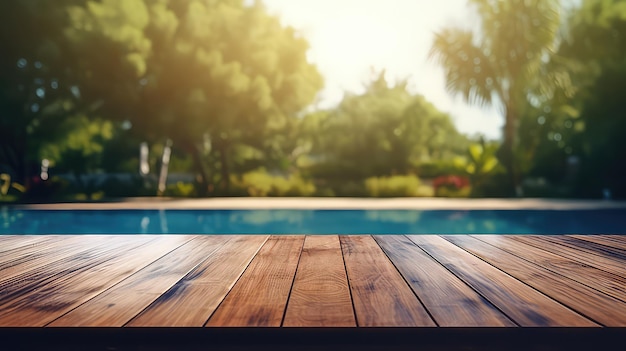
(507, 154)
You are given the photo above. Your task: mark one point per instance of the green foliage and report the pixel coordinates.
(35, 82)
(180, 189)
(438, 168)
(558, 130)
(384, 131)
(220, 78)
(261, 183)
(505, 63)
(394, 186)
(79, 144)
(480, 160)
(453, 192)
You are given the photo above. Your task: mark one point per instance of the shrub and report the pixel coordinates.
(453, 192)
(180, 189)
(451, 181)
(114, 186)
(394, 186)
(346, 188)
(438, 168)
(261, 183)
(452, 186)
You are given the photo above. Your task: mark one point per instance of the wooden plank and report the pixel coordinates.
(607, 240)
(618, 237)
(50, 268)
(523, 304)
(577, 253)
(16, 242)
(32, 246)
(543, 256)
(191, 301)
(380, 296)
(592, 247)
(602, 308)
(602, 242)
(52, 295)
(119, 304)
(320, 296)
(260, 296)
(32, 258)
(589, 247)
(450, 301)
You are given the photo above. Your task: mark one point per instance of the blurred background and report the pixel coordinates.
(371, 98)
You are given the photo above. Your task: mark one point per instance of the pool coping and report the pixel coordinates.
(331, 203)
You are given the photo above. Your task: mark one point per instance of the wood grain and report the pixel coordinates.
(612, 241)
(450, 301)
(260, 296)
(577, 253)
(602, 308)
(593, 247)
(10, 243)
(191, 301)
(380, 295)
(320, 296)
(111, 280)
(599, 279)
(17, 262)
(52, 269)
(51, 297)
(119, 304)
(523, 304)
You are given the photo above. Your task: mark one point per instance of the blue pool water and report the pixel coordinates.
(611, 221)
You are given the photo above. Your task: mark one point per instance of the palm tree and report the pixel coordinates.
(503, 61)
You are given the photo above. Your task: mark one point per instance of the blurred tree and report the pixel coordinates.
(504, 62)
(219, 78)
(78, 145)
(37, 92)
(597, 39)
(384, 131)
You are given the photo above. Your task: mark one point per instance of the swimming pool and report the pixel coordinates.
(25, 221)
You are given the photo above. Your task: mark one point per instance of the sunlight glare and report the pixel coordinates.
(349, 38)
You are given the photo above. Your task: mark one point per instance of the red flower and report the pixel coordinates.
(452, 181)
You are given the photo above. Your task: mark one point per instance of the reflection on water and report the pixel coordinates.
(259, 217)
(393, 216)
(145, 221)
(163, 221)
(312, 222)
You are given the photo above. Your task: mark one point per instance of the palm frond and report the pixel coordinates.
(468, 68)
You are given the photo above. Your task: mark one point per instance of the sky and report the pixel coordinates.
(350, 37)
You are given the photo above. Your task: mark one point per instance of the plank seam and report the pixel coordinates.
(293, 281)
(72, 268)
(121, 281)
(464, 281)
(548, 269)
(204, 325)
(407, 283)
(176, 282)
(572, 258)
(595, 247)
(530, 286)
(343, 259)
(607, 238)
